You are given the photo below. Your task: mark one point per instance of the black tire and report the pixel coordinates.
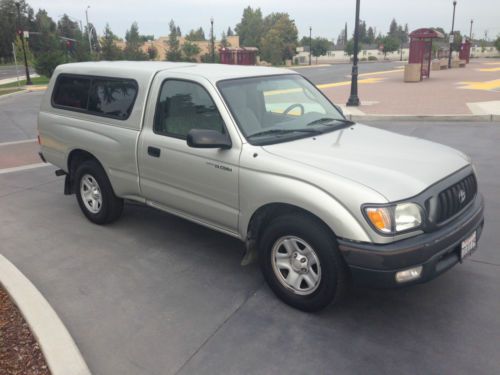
(111, 206)
(333, 278)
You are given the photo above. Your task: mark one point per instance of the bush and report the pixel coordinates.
(46, 63)
(372, 58)
(362, 59)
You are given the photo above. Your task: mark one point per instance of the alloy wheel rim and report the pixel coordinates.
(90, 193)
(296, 265)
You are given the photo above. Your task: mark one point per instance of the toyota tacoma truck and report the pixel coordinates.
(262, 155)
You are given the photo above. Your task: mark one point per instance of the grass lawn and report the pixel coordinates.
(42, 80)
(8, 90)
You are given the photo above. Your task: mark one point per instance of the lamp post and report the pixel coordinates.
(452, 36)
(212, 38)
(353, 99)
(470, 32)
(310, 44)
(21, 34)
(88, 28)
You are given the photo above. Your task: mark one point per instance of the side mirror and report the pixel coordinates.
(203, 138)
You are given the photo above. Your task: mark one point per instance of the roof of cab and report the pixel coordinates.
(212, 72)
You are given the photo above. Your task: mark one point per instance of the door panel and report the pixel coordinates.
(198, 182)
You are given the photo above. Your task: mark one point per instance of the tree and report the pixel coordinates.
(393, 28)
(190, 50)
(229, 32)
(223, 41)
(19, 51)
(457, 41)
(250, 27)
(272, 46)
(133, 45)
(285, 29)
(497, 43)
(8, 25)
(349, 47)
(174, 51)
(196, 35)
(320, 46)
(370, 36)
(109, 49)
(362, 32)
(390, 44)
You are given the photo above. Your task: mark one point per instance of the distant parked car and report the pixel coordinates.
(262, 155)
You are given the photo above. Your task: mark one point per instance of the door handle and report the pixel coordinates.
(154, 152)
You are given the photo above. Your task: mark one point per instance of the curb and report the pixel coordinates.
(433, 118)
(13, 93)
(59, 349)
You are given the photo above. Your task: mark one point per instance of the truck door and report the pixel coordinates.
(199, 184)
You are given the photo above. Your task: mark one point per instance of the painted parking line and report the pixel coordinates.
(346, 83)
(496, 69)
(23, 168)
(493, 85)
(379, 72)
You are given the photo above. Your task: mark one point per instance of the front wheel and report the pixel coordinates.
(301, 262)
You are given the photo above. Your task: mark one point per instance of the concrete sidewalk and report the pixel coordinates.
(474, 90)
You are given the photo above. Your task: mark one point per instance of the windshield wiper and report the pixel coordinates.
(329, 120)
(283, 131)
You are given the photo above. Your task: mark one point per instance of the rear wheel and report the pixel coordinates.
(95, 195)
(301, 262)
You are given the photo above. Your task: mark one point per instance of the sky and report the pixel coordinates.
(326, 17)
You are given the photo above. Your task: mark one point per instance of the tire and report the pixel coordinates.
(301, 263)
(95, 195)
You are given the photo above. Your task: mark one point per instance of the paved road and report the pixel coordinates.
(341, 72)
(9, 71)
(154, 294)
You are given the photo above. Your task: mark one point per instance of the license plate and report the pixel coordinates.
(468, 246)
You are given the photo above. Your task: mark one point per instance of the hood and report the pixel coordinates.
(394, 165)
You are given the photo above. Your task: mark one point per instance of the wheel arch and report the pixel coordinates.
(75, 158)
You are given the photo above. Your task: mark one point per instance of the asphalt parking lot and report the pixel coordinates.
(154, 294)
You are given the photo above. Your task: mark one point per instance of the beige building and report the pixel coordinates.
(161, 45)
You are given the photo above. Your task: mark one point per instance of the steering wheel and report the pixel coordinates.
(293, 106)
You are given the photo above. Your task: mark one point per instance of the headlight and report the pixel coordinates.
(392, 219)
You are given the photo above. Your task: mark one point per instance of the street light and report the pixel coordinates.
(452, 36)
(21, 34)
(310, 44)
(212, 38)
(470, 33)
(88, 28)
(353, 99)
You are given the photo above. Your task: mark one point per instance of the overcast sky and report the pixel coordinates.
(327, 17)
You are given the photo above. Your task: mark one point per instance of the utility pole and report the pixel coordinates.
(88, 28)
(310, 44)
(470, 32)
(21, 34)
(353, 99)
(212, 38)
(452, 35)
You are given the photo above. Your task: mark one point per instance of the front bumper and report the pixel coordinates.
(376, 265)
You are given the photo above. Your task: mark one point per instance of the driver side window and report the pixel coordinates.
(185, 105)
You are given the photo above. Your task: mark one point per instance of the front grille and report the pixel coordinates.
(453, 199)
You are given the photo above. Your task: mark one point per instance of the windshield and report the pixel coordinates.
(271, 109)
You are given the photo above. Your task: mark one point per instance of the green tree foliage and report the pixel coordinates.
(109, 50)
(272, 46)
(47, 48)
(133, 49)
(79, 47)
(223, 41)
(457, 41)
(349, 47)
(370, 36)
(9, 27)
(320, 46)
(174, 52)
(146, 38)
(390, 44)
(250, 27)
(497, 43)
(196, 35)
(19, 52)
(190, 50)
(229, 32)
(282, 26)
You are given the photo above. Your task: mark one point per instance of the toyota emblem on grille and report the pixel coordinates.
(461, 196)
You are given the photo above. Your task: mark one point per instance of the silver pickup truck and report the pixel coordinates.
(262, 155)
